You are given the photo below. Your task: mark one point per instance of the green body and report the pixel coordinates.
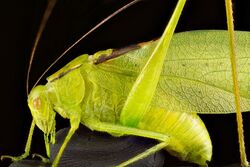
(137, 91)
(195, 79)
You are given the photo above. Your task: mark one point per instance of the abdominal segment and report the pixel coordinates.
(189, 139)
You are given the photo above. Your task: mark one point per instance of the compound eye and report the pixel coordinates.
(37, 104)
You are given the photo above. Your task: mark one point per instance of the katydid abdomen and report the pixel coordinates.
(195, 79)
(189, 139)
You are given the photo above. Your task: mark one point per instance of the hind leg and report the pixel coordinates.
(144, 154)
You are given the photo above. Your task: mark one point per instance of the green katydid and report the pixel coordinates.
(99, 63)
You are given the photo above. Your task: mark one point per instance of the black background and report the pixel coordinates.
(142, 22)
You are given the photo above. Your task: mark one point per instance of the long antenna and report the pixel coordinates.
(46, 15)
(75, 43)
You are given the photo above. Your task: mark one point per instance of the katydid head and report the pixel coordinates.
(42, 111)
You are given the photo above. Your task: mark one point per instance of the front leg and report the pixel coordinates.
(27, 147)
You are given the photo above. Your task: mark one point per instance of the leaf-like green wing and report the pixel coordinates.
(196, 76)
(198, 71)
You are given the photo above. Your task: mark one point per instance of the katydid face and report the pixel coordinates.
(41, 109)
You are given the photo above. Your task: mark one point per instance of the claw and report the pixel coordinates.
(45, 160)
(18, 158)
